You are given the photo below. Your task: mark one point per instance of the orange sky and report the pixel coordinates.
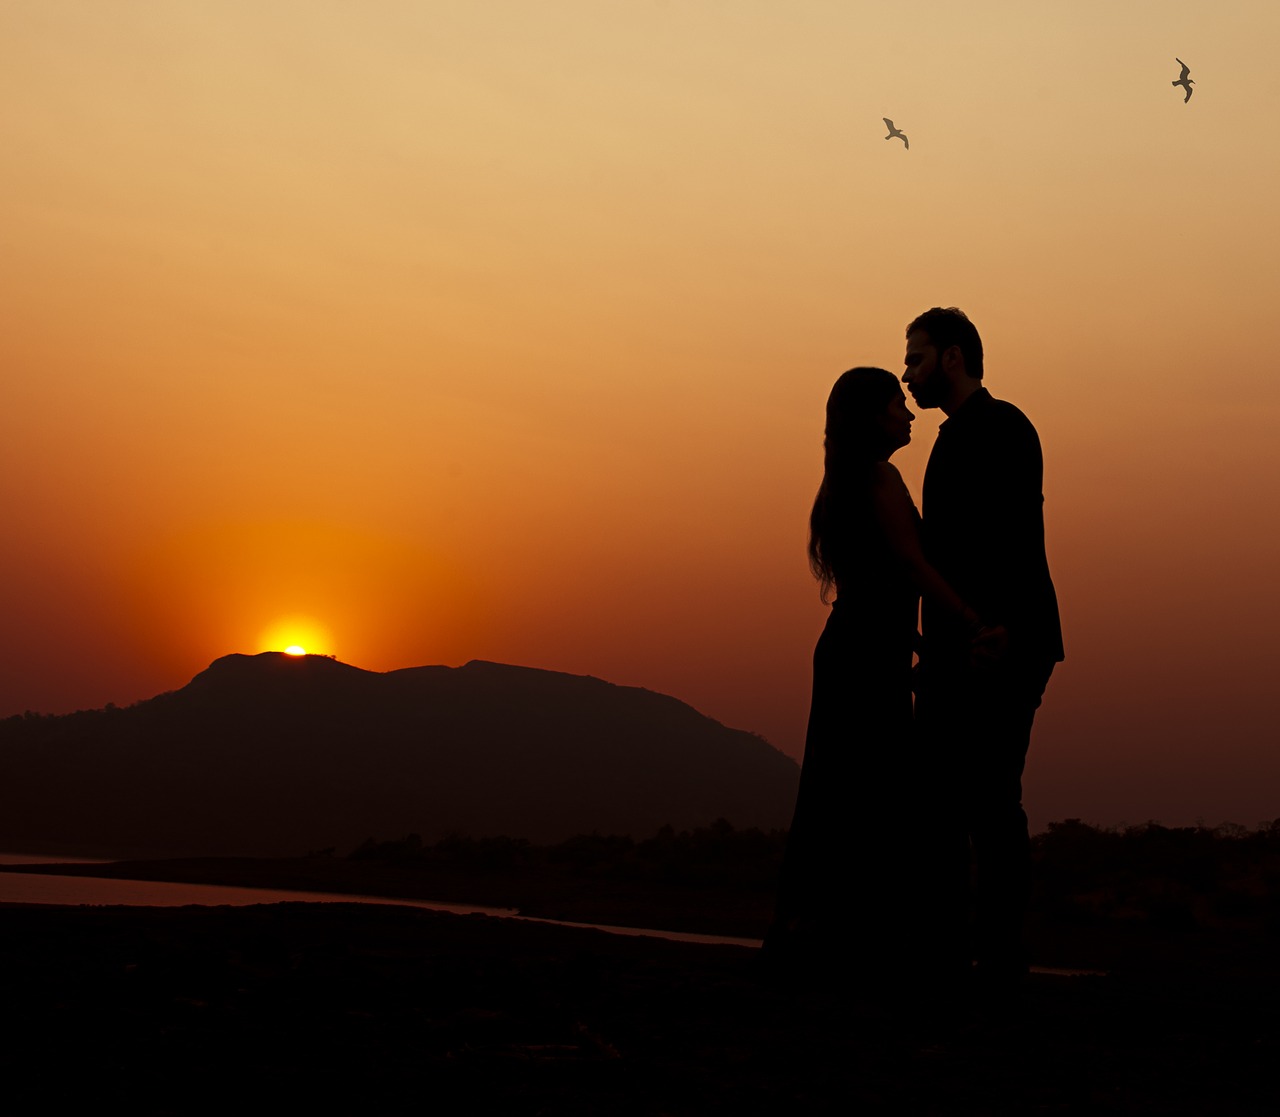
(503, 331)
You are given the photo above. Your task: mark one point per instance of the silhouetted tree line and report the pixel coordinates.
(1178, 878)
(72, 724)
(1175, 878)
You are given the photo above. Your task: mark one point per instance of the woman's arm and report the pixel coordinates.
(896, 515)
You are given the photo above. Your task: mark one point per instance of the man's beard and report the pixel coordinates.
(931, 391)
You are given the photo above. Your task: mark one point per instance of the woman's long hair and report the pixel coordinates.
(851, 445)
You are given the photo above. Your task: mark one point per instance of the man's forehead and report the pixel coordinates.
(918, 341)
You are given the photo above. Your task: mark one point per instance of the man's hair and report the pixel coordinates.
(948, 326)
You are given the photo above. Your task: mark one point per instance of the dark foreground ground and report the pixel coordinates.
(354, 1008)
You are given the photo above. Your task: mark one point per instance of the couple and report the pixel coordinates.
(909, 855)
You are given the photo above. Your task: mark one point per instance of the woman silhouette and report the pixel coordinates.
(854, 892)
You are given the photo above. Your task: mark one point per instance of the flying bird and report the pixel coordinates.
(894, 132)
(1184, 79)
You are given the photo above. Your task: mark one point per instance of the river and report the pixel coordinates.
(38, 888)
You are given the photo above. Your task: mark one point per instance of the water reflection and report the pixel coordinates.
(34, 888)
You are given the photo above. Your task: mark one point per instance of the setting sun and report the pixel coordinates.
(296, 635)
(342, 382)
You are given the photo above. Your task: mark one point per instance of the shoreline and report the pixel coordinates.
(558, 897)
(1117, 947)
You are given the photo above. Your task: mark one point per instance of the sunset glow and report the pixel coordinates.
(544, 302)
(296, 635)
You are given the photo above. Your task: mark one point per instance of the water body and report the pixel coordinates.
(37, 888)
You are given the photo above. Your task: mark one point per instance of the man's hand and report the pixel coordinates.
(989, 646)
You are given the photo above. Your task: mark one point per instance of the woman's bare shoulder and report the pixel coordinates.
(889, 492)
(886, 476)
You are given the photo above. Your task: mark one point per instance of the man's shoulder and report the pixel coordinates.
(1005, 415)
(992, 405)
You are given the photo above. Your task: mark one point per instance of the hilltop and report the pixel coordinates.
(276, 755)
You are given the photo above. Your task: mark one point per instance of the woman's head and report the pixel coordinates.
(867, 420)
(867, 416)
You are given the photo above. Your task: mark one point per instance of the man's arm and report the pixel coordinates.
(1008, 524)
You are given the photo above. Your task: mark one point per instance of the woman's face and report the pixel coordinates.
(895, 422)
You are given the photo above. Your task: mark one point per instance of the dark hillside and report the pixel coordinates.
(271, 754)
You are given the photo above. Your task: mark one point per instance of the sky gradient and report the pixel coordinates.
(419, 332)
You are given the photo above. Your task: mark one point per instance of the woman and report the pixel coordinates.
(855, 878)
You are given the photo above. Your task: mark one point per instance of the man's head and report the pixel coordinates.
(944, 358)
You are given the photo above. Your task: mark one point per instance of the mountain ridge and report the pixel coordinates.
(272, 754)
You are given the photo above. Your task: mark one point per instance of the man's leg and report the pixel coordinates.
(999, 733)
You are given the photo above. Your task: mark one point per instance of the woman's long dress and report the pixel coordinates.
(848, 882)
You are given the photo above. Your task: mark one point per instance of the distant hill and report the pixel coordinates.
(277, 755)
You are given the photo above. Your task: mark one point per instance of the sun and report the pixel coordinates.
(296, 635)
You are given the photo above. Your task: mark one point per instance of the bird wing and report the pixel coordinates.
(905, 142)
(1186, 70)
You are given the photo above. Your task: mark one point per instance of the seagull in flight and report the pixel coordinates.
(1184, 80)
(894, 132)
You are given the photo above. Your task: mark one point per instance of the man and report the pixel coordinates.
(983, 530)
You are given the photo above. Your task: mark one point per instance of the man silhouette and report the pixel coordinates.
(983, 529)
